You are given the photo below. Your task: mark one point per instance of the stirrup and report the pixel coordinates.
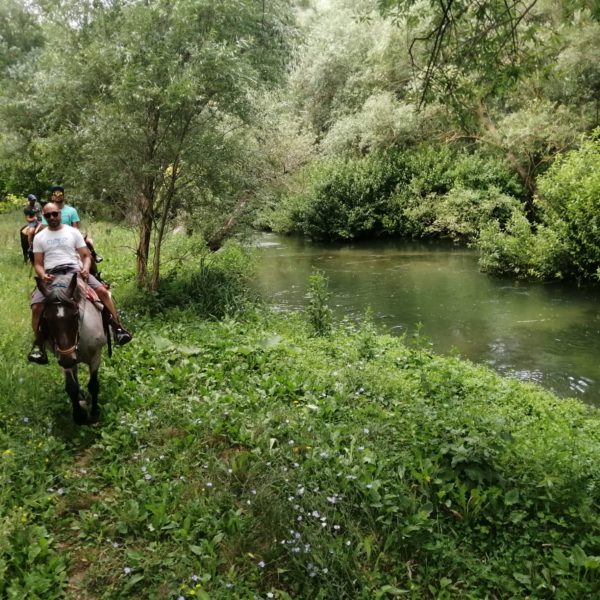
(37, 355)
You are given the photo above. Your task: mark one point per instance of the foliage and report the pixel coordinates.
(10, 203)
(318, 311)
(571, 197)
(432, 191)
(566, 243)
(467, 45)
(515, 249)
(244, 457)
(142, 104)
(210, 285)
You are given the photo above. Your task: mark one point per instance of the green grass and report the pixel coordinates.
(244, 457)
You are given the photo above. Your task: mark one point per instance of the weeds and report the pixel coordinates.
(241, 458)
(320, 315)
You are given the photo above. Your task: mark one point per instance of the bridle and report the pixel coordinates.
(75, 346)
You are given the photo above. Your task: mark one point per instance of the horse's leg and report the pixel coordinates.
(72, 388)
(24, 246)
(93, 388)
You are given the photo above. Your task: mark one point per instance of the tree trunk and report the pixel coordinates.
(526, 176)
(155, 279)
(146, 200)
(219, 237)
(145, 234)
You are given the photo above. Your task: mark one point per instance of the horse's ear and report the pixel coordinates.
(41, 284)
(72, 286)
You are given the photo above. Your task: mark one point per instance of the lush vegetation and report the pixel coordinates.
(248, 455)
(336, 119)
(282, 457)
(398, 99)
(429, 191)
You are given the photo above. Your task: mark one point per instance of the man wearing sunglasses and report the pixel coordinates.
(69, 216)
(62, 248)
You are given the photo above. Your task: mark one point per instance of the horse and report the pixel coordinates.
(27, 253)
(76, 333)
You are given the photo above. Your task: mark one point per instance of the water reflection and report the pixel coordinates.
(535, 332)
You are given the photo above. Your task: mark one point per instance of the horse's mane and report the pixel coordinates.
(57, 290)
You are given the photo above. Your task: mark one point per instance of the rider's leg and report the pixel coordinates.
(38, 352)
(122, 336)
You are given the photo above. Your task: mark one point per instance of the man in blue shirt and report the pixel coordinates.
(69, 216)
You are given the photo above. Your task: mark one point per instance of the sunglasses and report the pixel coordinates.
(53, 214)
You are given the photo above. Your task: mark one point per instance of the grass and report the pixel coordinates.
(245, 457)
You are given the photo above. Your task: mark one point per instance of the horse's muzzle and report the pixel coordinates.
(67, 361)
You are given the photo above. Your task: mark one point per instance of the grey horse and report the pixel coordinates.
(76, 333)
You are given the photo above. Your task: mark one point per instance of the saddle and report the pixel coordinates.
(90, 295)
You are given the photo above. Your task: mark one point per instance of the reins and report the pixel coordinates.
(80, 316)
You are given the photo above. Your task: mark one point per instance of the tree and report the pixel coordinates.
(21, 37)
(490, 58)
(140, 101)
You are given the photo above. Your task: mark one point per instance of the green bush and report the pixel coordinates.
(567, 242)
(427, 191)
(571, 198)
(210, 284)
(516, 249)
(347, 199)
(320, 315)
(463, 212)
(10, 203)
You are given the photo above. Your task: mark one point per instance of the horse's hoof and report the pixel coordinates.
(94, 417)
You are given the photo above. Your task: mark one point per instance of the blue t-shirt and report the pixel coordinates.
(68, 216)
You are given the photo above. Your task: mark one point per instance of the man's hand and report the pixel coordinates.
(47, 278)
(84, 273)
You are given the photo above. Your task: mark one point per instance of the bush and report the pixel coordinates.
(320, 315)
(571, 198)
(347, 199)
(463, 212)
(416, 193)
(211, 285)
(518, 250)
(10, 203)
(567, 242)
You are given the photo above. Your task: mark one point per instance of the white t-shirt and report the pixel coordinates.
(59, 247)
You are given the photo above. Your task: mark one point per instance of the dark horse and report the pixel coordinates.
(27, 253)
(75, 332)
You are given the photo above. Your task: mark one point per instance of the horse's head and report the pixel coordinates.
(61, 316)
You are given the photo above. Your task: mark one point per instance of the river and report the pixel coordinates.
(546, 333)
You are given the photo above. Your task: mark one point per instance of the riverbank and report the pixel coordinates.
(544, 333)
(245, 457)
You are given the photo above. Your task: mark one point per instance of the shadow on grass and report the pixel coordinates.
(35, 394)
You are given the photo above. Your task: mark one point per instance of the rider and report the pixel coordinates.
(62, 247)
(70, 216)
(33, 204)
(33, 224)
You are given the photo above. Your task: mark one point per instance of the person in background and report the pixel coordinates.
(33, 204)
(32, 226)
(70, 217)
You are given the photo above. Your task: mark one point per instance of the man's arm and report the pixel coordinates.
(86, 261)
(38, 265)
(75, 218)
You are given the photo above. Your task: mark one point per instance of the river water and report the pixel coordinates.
(546, 333)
